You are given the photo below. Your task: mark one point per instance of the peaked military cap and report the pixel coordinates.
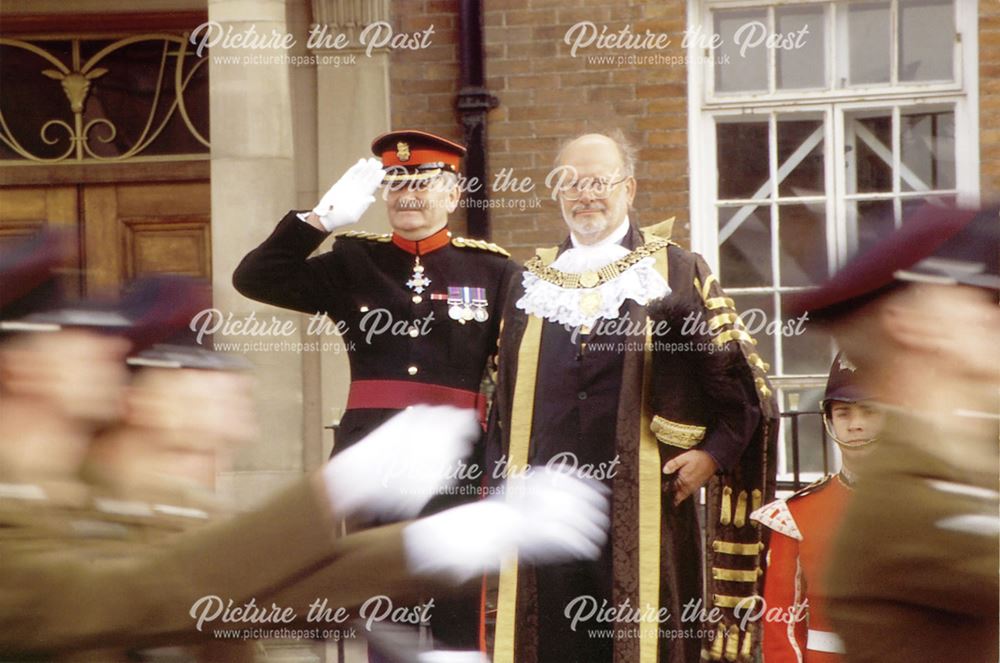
(947, 245)
(409, 155)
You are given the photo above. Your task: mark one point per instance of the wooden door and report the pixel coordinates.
(124, 230)
(137, 229)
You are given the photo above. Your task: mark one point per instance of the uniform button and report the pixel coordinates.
(412, 370)
(582, 395)
(414, 332)
(364, 309)
(417, 299)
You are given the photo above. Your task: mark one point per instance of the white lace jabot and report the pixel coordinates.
(578, 307)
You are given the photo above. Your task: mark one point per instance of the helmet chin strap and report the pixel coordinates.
(842, 443)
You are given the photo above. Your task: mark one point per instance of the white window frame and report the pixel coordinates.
(704, 107)
(961, 73)
(702, 111)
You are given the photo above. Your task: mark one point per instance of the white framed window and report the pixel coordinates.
(804, 152)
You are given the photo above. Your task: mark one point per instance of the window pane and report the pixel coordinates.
(746, 70)
(756, 311)
(869, 221)
(911, 205)
(802, 243)
(741, 152)
(927, 144)
(800, 149)
(869, 42)
(926, 38)
(810, 430)
(872, 142)
(806, 348)
(805, 65)
(745, 246)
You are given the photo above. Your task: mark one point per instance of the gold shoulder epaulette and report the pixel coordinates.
(466, 243)
(364, 234)
(811, 488)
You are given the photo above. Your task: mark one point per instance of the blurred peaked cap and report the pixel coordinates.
(844, 383)
(152, 309)
(168, 355)
(161, 308)
(409, 154)
(29, 273)
(944, 245)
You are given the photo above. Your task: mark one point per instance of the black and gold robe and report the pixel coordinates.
(668, 399)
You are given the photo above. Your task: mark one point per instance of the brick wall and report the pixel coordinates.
(547, 96)
(989, 97)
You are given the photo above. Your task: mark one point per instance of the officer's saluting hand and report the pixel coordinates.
(349, 196)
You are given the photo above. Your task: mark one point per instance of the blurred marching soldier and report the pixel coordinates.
(803, 527)
(60, 596)
(448, 290)
(913, 570)
(656, 416)
(56, 389)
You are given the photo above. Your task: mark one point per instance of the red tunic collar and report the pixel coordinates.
(425, 245)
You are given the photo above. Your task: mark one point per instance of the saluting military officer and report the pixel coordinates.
(803, 527)
(419, 308)
(446, 290)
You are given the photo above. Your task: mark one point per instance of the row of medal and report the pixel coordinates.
(466, 303)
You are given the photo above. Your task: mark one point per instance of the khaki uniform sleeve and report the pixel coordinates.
(69, 600)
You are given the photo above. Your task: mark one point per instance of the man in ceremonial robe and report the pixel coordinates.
(655, 411)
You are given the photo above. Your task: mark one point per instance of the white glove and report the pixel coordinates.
(398, 467)
(566, 517)
(548, 517)
(351, 195)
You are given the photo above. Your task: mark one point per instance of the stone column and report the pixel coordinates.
(352, 96)
(253, 186)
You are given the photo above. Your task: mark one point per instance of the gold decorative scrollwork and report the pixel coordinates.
(77, 79)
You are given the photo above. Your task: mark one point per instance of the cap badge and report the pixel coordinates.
(403, 151)
(845, 364)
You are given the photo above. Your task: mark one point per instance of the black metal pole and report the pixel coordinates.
(474, 101)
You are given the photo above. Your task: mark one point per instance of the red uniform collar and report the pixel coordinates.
(425, 245)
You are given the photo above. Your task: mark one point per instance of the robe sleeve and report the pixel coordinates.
(744, 440)
(735, 409)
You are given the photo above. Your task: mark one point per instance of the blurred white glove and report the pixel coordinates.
(566, 517)
(351, 195)
(398, 467)
(547, 517)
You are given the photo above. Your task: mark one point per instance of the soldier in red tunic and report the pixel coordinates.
(796, 629)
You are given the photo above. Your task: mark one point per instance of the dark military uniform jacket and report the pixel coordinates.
(641, 405)
(362, 284)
